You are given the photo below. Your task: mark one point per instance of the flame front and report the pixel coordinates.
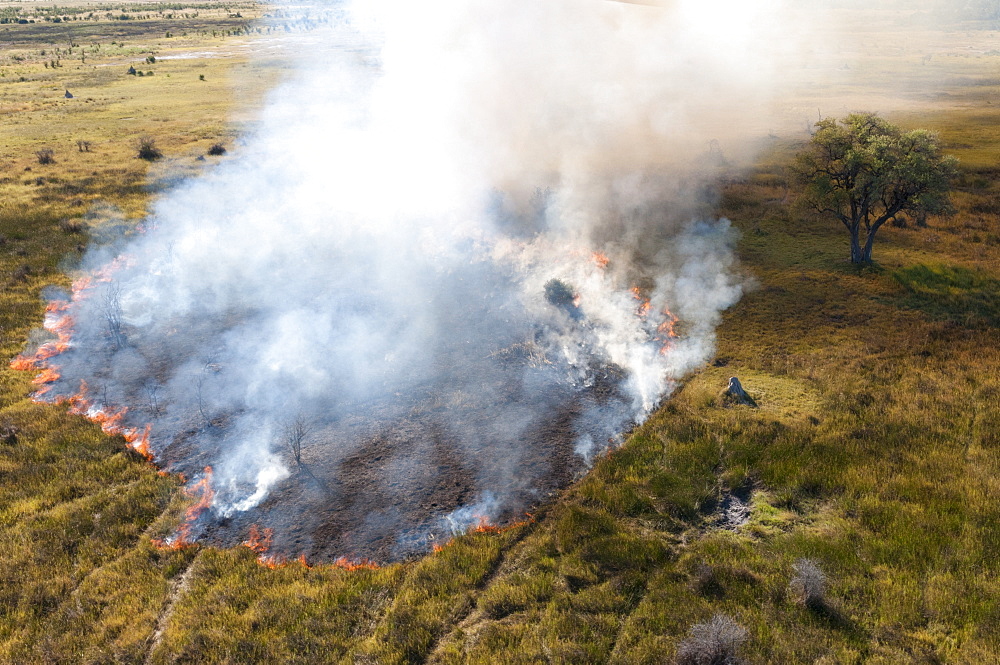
(60, 323)
(183, 536)
(666, 332)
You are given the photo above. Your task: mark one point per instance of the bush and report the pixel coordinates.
(148, 149)
(715, 642)
(22, 273)
(217, 149)
(72, 226)
(45, 156)
(8, 434)
(808, 586)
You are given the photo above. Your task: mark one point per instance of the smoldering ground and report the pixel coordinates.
(465, 249)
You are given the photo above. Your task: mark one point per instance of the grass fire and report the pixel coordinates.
(502, 331)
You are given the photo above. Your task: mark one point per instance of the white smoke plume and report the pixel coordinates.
(456, 246)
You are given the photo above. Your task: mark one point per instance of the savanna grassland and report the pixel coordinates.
(875, 452)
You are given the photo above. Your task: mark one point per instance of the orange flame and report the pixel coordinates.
(272, 561)
(47, 375)
(111, 423)
(182, 537)
(484, 525)
(355, 564)
(140, 441)
(60, 323)
(22, 364)
(54, 306)
(260, 543)
(601, 259)
(666, 332)
(259, 540)
(643, 310)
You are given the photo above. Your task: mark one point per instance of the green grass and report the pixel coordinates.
(875, 451)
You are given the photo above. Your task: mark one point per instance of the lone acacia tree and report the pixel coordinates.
(865, 171)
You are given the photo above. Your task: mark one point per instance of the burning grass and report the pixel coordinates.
(874, 454)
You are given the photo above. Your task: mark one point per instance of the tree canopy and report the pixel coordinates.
(865, 171)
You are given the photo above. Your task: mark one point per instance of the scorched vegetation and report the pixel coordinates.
(870, 467)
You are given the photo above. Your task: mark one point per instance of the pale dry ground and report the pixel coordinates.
(204, 89)
(889, 63)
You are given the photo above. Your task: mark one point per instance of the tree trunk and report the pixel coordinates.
(857, 254)
(866, 253)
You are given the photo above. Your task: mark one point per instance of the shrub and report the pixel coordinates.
(217, 149)
(21, 273)
(72, 226)
(148, 149)
(715, 642)
(8, 434)
(705, 581)
(45, 156)
(808, 585)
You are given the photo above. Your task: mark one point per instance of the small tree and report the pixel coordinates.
(114, 315)
(293, 434)
(865, 171)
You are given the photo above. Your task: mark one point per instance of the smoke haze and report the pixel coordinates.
(467, 247)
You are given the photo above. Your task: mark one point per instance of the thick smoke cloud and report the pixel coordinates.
(469, 242)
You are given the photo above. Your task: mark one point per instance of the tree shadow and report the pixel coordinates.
(322, 485)
(827, 613)
(952, 293)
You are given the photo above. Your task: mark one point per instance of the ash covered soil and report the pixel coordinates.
(384, 483)
(483, 422)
